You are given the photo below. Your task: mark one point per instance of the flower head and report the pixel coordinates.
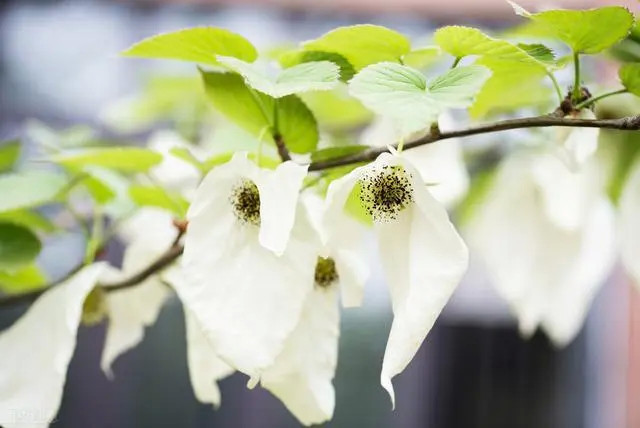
(423, 256)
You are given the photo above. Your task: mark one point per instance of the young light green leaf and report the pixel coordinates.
(584, 31)
(630, 77)
(125, 159)
(422, 57)
(539, 51)
(335, 152)
(27, 278)
(362, 45)
(158, 197)
(9, 154)
(18, 246)
(512, 85)
(254, 111)
(305, 77)
(337, 110)
(29, 189)
(200, 45)
(299, 56)
(402, 94)
(29, 219)
(464, 41)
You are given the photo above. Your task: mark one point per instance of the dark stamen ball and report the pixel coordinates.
(385, 192)
(245, 200)
(326, 273)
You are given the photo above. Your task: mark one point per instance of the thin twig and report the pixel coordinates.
(626, 124)
(282, 147)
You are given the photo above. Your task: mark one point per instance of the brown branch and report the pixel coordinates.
(626, 124)
(283, 152)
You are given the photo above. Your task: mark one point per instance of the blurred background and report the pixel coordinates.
(59, 63)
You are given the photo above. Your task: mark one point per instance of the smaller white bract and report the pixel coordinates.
(423, 256)
(547, 249)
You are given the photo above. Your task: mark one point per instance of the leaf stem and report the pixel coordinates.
(577, 90)
(556, 86)
(456, 62)
(590, 101)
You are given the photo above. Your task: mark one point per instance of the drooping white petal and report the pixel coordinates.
(149, 234)
(205, 367)
(278, 199)
(577, 145)
(301, 377)
(246, 298)
(440, 164)
(630, 224)
(424, 260)
(344, 235)
(36, 351)
(556, 272)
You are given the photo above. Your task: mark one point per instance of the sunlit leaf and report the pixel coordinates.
(630, 77)
(29, 189)
(362, 45)
(9, 154)
(305, 77)
(335, 152)
(422, 57)
(200, 45)
(337, 110)
(29, 277)
(584, 31)
(403, 95)
(126, 159)
(254, 111)
(19, 246)
(298, 56)
(28, 218)
(158, 197)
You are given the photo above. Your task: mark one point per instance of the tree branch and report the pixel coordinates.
(283, 152)
(626, 123)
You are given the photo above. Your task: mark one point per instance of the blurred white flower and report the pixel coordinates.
(546, 236)
(423, 256)
(148, 234)
(173, 172)
(247, 265)
(576, 145)
(630, 224)
(37, 349)
(301, 376)
(440, 164)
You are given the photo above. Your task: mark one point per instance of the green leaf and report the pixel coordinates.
(27, 278)
(402, 94)
(464, 41)
(362, 45)
(254, 111)
(584, 31)
(305, 77)
(29, 219)
(199, 45)
(336, 152)
(216, 160)
(337, 110)
(29, 189)
(9, 154)
(421, 58)
(539, 51)
(125, 159)
(624, 152)
(630, 77)
(18, 246)
(511, 86)
(299, 56)
(158, 197)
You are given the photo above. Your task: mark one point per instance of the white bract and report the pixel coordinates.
(148, 234)
(247, 265)
(423, 256)
(630, 224)
(37, 349)
(546, 251)
(302, 374)
(576, 145)
(440, 164)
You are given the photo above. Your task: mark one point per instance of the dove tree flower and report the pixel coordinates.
(546, 237)
(629, 224)
(33, 372)
(247, 265)
(577, 145)
(423, 256)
